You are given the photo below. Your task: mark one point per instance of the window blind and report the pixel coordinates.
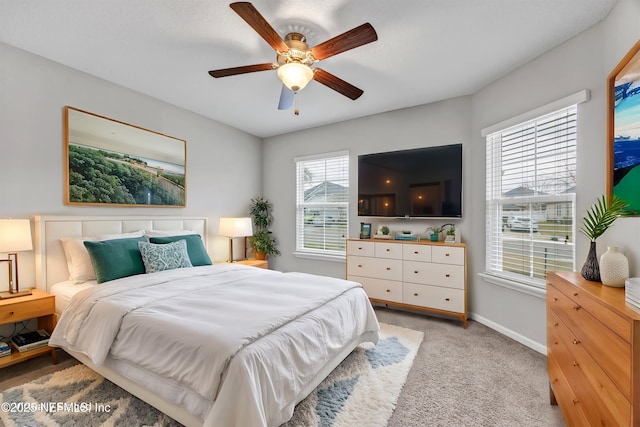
(322, 204)
(530, 199)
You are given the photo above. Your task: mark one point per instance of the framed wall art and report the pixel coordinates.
(365, 230)
(111, 163)
(623, 130)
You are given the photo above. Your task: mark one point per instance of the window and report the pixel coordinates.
(322, 205)
(530, 200)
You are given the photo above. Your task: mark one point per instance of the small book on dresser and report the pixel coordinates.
(30, 340)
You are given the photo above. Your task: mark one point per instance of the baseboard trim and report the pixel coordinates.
(540, 348)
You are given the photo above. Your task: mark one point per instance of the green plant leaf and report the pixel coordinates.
(601, 215)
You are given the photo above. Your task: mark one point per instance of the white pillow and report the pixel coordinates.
(78, 260)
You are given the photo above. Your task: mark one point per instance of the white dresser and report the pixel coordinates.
(426, 276)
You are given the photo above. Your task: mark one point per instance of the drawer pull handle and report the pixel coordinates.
(447, 299)
(388, 290)
(575, 294)
(415, 252)
(556, 324)
(555, 299)
(575, 363)
(576, 307)
(415, 294)
(446, 254)
(415, 271)
(388, 268)
(359, 249)
(575, 341)
(388, 249)
(11, 313)
(575, 401)
(447, 275)
(360, 265)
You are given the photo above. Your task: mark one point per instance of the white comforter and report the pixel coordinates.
(248, 339)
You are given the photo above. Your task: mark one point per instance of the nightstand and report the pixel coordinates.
(40, 305)
(260, 263)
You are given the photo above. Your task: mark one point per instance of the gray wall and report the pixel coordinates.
(224, 165)
(581, 63)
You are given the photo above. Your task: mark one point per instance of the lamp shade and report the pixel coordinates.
(294, 75)
(15, 235)
(235, 227)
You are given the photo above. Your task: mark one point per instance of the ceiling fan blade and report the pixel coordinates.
(225, 72)
(351, 39)
(337, 84)
(252, 17)
(286, 98)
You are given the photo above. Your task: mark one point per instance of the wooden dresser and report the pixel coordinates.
(425, 276)
(593, 352)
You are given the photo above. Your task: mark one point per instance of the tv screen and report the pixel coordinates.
(423, 182)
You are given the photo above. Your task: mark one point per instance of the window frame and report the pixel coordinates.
(493, 231)
(322, 254)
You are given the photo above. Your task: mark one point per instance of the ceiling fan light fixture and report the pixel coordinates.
(295, 75)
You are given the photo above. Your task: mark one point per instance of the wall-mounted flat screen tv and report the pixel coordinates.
(423, 182)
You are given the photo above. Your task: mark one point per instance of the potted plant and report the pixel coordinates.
(599, 218)
(262, 242)
(434, 233)
(384, 230)
(450, 234)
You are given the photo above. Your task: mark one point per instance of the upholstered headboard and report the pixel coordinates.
(51, 264)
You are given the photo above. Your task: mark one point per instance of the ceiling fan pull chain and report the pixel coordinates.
(296, 110)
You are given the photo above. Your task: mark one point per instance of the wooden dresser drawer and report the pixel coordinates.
(609, 350)
(420, 253)
(602, 400)
(27, 310)
(449, 276)
(615, 322)
(361, 248)
(447, 255)
(434, 297)
(388, 250)
(388, 269)
(571, 407)
(386, 290)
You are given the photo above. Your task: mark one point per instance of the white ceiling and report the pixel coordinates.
(427, 50)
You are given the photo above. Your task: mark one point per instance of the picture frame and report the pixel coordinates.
(365, 230)
(623, 130)
(112, 163)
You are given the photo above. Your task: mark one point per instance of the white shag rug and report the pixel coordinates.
(362, 391)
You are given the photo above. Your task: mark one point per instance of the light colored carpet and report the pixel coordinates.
(362, 390)
(472, 377)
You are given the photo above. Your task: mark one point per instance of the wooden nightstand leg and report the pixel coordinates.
(54, 356)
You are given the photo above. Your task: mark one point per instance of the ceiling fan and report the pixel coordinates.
(294, 58)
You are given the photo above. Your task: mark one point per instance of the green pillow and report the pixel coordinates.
(195, 248)
(113, 259)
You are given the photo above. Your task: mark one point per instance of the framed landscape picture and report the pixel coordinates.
(109, 162)
(623, 130)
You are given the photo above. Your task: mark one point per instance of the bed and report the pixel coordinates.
(222, 344)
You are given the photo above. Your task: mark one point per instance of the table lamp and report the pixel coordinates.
(235, 227)
(15, 236)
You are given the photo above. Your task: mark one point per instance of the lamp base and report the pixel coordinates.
(7, 295)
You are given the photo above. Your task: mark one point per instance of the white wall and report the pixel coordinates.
(224, 165)
(581, 63)
(442, 123)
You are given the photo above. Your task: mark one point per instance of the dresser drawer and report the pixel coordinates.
(434, 297)
(420, 253)
(20, 311)
(602, 400)
(608, 349)
(361, 248)
(572, 408)
(389, 269)
(447, 255)
(615, 322)
(386, 290)
(388, 250)
(450, 276)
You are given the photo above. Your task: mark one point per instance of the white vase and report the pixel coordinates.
(614, 267)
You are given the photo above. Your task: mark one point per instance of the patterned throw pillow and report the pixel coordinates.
(160, 257)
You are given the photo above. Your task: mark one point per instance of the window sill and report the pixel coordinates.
(322, 257)
(513, 285)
